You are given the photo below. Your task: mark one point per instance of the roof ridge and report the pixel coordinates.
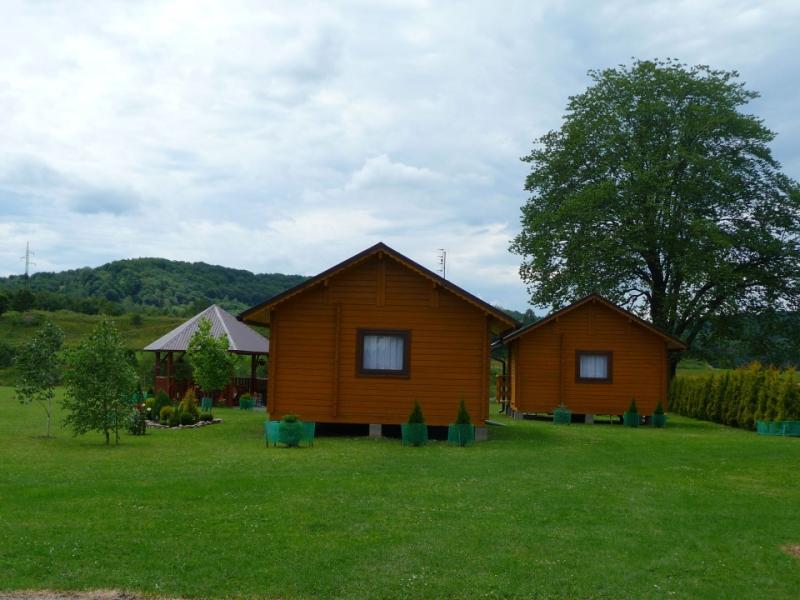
(231, 341)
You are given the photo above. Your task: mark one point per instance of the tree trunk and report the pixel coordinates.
(673, 359)
(108, 437)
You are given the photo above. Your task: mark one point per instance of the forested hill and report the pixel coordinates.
(154, 284)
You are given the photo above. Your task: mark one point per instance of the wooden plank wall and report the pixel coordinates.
(315, 353)
(544, 364)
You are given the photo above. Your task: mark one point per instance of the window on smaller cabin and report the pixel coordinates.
(593, 366)
(383, 353)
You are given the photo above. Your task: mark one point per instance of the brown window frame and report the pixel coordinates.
(405, 373)
(607, 353)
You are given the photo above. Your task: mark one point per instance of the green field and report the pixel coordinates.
(16, 328)
(692, 511)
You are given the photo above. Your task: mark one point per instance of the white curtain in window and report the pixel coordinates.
(383, 352)
(594, 366)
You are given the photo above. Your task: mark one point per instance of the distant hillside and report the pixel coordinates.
(164, 286)
(523, 318)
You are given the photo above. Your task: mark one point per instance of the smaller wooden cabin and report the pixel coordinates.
(592, 356)
(360, 342)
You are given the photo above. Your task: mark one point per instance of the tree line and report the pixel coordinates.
(153, 285)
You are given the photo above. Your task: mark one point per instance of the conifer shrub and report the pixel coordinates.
(187, 418)
(166, 412)
(206, 417)
(659, 409)
(631, 416)
(738, 398)
(161, 400)
(416, 416)
(462, 418)
(189, 404)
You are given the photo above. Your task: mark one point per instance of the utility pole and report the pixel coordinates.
(27, 259)
(442, 262)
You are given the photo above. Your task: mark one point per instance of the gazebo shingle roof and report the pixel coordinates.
(241, 339)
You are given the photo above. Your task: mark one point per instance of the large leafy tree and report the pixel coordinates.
(38, 368)
(212, 364)
(659, 192)
(100, 380)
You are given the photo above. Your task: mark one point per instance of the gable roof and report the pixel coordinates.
(379, 248)
(673, 343)
(241, 339)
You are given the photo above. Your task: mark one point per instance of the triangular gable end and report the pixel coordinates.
(259, 314)
(673, 343)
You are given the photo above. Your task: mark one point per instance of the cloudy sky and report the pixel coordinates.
(284, 137)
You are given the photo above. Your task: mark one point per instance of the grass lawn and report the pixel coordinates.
(693, 511)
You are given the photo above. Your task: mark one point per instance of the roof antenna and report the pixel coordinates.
(27, 259)
(442, 262)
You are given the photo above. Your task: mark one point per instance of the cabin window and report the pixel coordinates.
(383, 353)
(593, 366)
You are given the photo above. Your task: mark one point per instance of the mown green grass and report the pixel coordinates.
(540, 511)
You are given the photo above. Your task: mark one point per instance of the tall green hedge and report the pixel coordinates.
(738, 398)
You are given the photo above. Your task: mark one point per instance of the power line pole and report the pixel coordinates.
(27, 259)
(442, 262)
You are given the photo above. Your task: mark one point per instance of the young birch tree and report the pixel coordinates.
(100, 380)
(38, 369)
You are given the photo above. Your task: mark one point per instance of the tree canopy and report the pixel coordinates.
(38, 368)
(658, 192)
(212, 365)
(100, 380)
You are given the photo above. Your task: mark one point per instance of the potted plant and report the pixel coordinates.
(246, 402)
(415, 432)
(290, 431)
(659, 418)
(631, 416)
(562, 415)
(462, 432)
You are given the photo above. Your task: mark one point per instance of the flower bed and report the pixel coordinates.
(157, 425)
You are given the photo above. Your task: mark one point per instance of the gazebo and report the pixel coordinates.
(241, 340)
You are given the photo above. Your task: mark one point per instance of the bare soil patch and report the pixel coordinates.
(51, 595)
(792, 550)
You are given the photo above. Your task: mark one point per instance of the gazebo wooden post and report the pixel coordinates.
(253, 362)
(169, 374)
(157, 366)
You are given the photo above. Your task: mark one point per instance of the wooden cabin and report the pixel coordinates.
(360, 342)
(593, 357)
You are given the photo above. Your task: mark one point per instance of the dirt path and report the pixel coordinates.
(50, 595)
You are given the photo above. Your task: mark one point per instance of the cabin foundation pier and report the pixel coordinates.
(375, 430)
(588, 418)
(481, 434)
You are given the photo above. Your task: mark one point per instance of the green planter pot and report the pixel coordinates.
(460, 434)
(562, 416)
(414, 434)
(790, 428)
(290, 434)
(659, 420)
(630, 419)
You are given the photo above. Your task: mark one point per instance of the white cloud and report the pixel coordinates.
(287, 137)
